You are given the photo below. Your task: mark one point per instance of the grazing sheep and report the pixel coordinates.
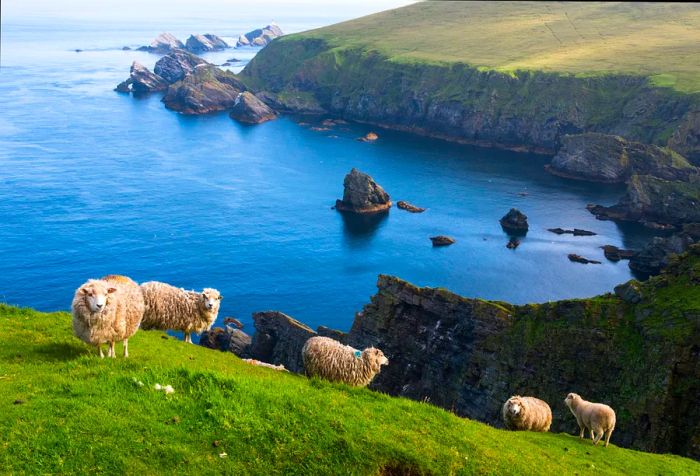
(598, 418)
(331, 360)
(171, 308)
(107, 310)
(527, 413)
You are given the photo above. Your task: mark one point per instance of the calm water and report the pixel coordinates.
(93, 182)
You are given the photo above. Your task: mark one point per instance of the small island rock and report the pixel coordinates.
(249, 109)
(362, 194)
(514, 222)
(369, 137)
(442, 240)
(204, 43)
(408, 207)
(580, 259)
(163, 43)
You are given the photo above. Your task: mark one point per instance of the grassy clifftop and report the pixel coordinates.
(661, 41)
(65, 410)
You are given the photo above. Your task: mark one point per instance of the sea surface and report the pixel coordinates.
(95, 182)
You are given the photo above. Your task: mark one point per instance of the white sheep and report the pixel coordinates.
(171, 308)
(598, 418)
(106, 311)
(527, 413)
(331, 360)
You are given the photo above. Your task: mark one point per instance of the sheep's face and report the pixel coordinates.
(571, 399)
(514, 407)
(211, 300)
(95, 294)
(375, 356)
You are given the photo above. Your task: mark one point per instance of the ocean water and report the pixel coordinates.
(94, 182)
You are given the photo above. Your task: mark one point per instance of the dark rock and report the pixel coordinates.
(332, 333)
(207, 89)
(442, 240)
(658, 253)
(278, 340)
(126, 48)
(575, 232)
(143, 81)
(261, 36)
(78, 51)
(514, 222)
(580, 259)
(630, 291)
(176, 65)
(124, 86)
(248, 109)
(204, 43)
(408, 207)
(235, 322)
(362, 195)
(613, 253)
(227, 340)
(513, 243)
(607, 158)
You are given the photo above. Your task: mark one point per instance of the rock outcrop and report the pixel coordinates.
(261, 36)
(575, 232)
(203, 43)
(362, 195)
(163, 43)
(176, 65)
(249, 109)
(442, 240)
(409, 207)
(613, 253)
(207, 89)
(608, 158)
(514, 222)
(580, 259)
(660, 251)
(143, 81)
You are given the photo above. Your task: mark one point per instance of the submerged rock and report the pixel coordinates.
(575, 232)
(204, 43)
(580, 259)
(261, 36)
(513, 243)
(144, 81)
(176, 65)
(442, 240)
(514, 222)
(249, 109)
(408, 207)
(362, 195)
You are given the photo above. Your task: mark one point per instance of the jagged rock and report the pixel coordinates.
(232, 320)
(248, 109)
(227, 340)
(124, 86)
(630, 291)
(650, 199)
(261, 36)
(408, 207)
(607, 158)
(580, 259)
(613, 253)
(176, 65)
(143, 81)
(575, 232)
(362, 194)
(163, 43)
(514, 222)
(204, 43)
(278, 340)
(207, 89)
(442, 240)
(657, 254)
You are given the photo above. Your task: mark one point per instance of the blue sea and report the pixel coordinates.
(95, 182)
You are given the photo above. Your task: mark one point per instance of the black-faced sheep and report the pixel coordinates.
(171, 308)
(329, 359)
(527, 413)
(598, 418)
(106, 311)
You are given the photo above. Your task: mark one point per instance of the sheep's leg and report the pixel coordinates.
(102, 355)
(607, 436)
(582, 431)
(600, 435)
(593, 436)
(126, 348)
(111, 350)
(188, 339)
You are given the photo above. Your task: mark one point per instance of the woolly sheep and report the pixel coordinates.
(527, 413)
(106, 311)
(171, 308)
(331, 360)
(598, 418)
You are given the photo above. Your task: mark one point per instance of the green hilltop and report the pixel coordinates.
(656, 40)
(64, 410)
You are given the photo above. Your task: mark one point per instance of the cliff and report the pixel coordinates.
(637, 352)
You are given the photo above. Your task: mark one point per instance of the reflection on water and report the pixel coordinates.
(356, 226)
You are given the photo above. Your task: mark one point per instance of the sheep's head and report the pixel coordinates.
(572, 400)
(375, 357)
(96, 293)
(514, 406)
(211, 300)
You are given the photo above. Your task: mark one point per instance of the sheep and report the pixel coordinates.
(331, 360)
(598, 418)
(107, 310)
(171, 308)
(527, 413)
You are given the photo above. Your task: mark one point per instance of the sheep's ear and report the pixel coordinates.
(220, 298)
(111, 290)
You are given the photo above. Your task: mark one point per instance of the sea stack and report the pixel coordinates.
(362, 195)
(514, 222)
(248, 109)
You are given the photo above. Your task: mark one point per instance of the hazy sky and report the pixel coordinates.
(140, 10)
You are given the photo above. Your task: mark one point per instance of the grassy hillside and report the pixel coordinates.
(659, 40)
(65, 410)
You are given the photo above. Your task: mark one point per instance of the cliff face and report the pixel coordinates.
(527, 110)
(639, 352)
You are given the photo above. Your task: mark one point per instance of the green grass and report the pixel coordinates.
(660, 41)
(82, 414)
